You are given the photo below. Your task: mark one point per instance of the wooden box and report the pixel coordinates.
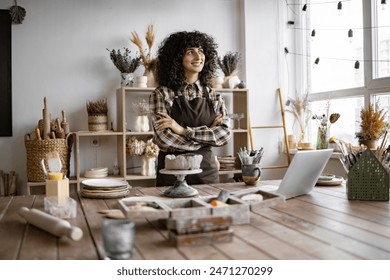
(199, 230)
(188, 207)
(237, 209)
(269, 199)
(135, 208)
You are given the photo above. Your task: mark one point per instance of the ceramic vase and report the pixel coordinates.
(141, 123)
(151, 81)
(231, 82)
(127, 79)
(218, 82)
(148, 166)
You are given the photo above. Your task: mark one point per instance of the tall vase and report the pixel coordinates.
(151, 81)
(322, 138)
(148, 166)
(141, 123)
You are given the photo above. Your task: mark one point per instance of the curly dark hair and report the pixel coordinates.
(170, 72)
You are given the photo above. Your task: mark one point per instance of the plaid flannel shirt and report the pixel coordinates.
(161, 101)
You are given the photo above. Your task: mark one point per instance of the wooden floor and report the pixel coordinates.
(321, 225)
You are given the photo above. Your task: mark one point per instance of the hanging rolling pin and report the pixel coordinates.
(46, 121)
(64, 123)
(56, 226)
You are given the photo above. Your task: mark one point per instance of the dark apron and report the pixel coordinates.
(192, 113)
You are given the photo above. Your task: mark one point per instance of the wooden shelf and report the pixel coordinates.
(238, 102)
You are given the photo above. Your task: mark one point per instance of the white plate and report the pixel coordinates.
(100, 169)
(104, 183)
(90, 174)
(95, 176)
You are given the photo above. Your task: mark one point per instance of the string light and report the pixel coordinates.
(339, 7)
(383, 4)
(316, 62)
(357, 65)
(350, 35)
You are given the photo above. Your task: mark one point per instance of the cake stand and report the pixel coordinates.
(180, 188)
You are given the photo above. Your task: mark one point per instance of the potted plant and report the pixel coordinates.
(229, 66)
(97, 115)
(125, 64)
(372, 126)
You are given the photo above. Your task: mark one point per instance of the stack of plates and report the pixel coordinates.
(98, 172)
(326, 179)
(227, 163)
(104, 188)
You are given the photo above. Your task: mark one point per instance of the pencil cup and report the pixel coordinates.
(251, 174)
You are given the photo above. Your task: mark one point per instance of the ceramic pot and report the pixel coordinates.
(141, 123)
(251, 174)
(141, 81)
(371, 144)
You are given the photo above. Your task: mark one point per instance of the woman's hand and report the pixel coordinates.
(165, 121)
(218, 120)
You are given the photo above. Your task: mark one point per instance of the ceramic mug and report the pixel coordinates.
(250, 174)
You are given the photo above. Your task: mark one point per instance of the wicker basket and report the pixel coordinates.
(97, 122)
(368, 179)
(36, 150)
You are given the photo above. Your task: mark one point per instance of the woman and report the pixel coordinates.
(189, 117)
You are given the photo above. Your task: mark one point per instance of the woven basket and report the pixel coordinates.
(36, 150)
(368, 179)
(97, 122)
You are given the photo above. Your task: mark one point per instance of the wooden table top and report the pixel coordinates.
(321, 225)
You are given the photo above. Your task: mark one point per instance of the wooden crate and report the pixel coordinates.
(196, 225)
(202, 238)
(188, 207)
(162, 211)
(269, 199)
(237, 209)
(199, 230)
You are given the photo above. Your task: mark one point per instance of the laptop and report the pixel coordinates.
(303, 172)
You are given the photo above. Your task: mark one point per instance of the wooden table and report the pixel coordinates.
(321, 225)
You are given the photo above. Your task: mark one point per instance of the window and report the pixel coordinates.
(381, 44)
(346, 60)
(336, 42)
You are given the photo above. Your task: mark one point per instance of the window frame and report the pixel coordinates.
(372, 86)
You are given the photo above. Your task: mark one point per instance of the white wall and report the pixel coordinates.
(59, 52)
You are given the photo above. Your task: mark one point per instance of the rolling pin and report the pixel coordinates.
(51, 224)
(46, 121)
(64, 123)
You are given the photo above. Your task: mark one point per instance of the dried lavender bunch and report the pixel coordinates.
(229, 63)
(124, 62)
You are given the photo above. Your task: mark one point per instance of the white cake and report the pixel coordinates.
(183, 162)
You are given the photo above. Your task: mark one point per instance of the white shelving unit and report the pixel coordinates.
(236, 101)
